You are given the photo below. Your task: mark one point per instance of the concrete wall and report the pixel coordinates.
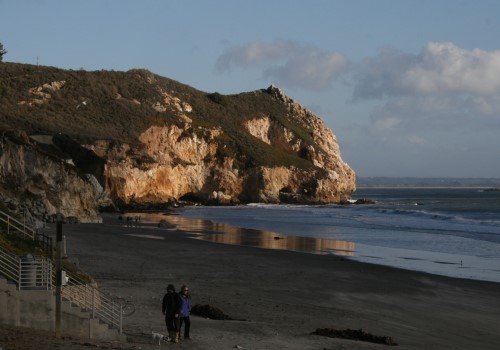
(36, 309)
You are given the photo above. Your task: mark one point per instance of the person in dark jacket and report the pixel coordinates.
(171, 307)
(185, 310)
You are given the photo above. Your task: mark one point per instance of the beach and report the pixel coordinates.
(279, 297)
(452, 232)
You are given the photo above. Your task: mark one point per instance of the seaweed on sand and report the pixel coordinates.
(210, 312)
(354, 334)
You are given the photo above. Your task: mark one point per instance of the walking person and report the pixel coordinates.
(184, 311)
(171, 306)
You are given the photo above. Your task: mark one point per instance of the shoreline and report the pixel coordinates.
(421, 187)
(283, 295)
(436, 263)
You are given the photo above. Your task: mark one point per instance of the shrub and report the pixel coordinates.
(218, 98)
(2, 52)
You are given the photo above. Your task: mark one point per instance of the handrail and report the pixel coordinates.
(9, 267)
(89, 297)
(16, 221)
(16, 224)
(44, 240)
(27, 274)
(40, 273)
(8, 255)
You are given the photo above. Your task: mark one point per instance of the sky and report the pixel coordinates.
(410, 88)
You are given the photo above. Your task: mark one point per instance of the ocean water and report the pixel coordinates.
(453, 231)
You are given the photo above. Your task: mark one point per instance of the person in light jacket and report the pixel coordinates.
(185, 309)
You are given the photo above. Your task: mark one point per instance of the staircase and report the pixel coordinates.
(92, 312)
(90, 299)
(28, 272)
(14, 226)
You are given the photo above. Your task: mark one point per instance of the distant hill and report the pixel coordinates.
(427, 182)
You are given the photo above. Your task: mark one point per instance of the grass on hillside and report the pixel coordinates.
(20, 246)
(105, 116)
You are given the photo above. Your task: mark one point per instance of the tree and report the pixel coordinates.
(2, 52)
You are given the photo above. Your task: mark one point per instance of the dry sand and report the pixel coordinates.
(282, 295)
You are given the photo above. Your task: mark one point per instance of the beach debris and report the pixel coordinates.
(238, 347)
(365, 201)
(354, 334)
(494, 189)
(166, 224)
(210, 312)
(356, 201)
(89, 344)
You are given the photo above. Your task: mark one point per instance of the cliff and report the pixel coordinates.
(38, 184)
(138, 138)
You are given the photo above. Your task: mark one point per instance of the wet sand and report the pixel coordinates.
(282, 295)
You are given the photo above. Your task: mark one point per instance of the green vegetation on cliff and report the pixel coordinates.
(120, 106)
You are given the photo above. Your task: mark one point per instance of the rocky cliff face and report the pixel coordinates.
(144, 139)
(175, 162)
(38, 185)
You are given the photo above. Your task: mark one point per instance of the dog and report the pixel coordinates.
(158, 337)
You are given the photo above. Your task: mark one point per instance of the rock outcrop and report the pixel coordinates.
(173, 162)
(38, 185)
(134, 138)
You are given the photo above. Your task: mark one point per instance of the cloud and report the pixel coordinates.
(290, 63)
(440, 68)
(254, 53)
(312, 70)
(444, 87)
(444, 67)
(385, 123)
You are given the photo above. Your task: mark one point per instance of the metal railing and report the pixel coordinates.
(45, 242)
(14, 225)
(9, 265)
(35, 273)
(27, 272)
(89, 298)
(39, 273)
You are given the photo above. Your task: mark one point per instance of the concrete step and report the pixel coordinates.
(77, 322)
(7, 285)
(69, 307)
(105, 331)
(100, 329)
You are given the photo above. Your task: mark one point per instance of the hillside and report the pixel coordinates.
(121, 105)
(150, 139)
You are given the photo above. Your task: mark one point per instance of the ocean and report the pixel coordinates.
(448, 231)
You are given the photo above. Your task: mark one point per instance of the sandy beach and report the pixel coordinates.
(281, 296)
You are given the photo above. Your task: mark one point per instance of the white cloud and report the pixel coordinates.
(416, 140)
(254, 53)
(385, 123)
(312, 70)
(444, 87)
(289, 63)
(444, 67)
(440, 68)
